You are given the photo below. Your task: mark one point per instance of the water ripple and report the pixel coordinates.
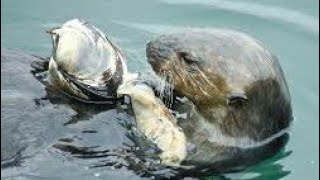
(304, 21)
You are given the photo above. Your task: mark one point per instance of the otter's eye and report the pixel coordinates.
(187, 58)
(190, 61)
(237, 99)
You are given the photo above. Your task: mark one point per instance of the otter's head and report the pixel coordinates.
(229, 77)
(192, 65)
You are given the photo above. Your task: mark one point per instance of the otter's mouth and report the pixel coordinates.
(165, 89)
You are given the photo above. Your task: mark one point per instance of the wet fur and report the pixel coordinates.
(208, 67)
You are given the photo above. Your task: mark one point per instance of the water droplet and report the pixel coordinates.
(312, 162)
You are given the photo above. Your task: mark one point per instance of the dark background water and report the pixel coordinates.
(289, 27)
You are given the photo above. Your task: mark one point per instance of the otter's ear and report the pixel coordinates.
(236, 98)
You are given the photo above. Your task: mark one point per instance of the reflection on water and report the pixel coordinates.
(269, 169)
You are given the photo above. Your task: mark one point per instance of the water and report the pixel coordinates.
(288, 27)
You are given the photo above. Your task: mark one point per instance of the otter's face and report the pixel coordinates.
(188, 65)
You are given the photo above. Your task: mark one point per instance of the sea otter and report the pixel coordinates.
(235, 96)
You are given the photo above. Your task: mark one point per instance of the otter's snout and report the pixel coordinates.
(152, 52)
(158, 52)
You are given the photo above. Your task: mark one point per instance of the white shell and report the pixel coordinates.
(83, 51)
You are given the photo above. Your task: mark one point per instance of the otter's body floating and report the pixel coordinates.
(237, 109)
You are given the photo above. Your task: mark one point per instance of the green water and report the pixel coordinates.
(289, 27)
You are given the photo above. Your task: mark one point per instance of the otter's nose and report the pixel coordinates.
(151, 51)
(157, 52)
